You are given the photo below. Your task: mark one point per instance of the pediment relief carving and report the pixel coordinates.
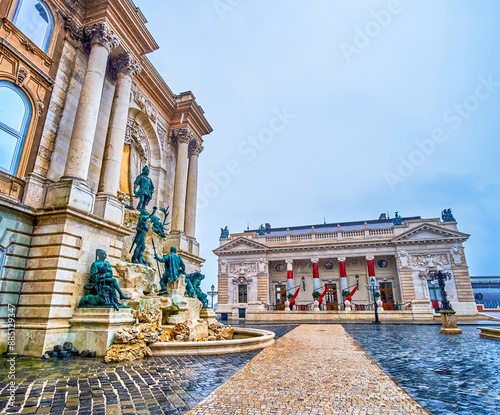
(430, 232)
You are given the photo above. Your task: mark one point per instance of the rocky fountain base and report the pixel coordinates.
(175, 324)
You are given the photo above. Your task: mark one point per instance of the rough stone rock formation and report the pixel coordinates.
(136, 349)
(218, 331)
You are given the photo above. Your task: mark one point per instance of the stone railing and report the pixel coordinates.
(335, 235)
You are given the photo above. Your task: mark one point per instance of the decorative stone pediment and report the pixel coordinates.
(240, 245)
(427, 232)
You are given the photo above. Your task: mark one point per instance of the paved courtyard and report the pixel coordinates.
(314, 369)
(160, 385)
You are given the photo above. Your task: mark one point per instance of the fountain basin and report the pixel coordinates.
(249, 339)
(490, 332)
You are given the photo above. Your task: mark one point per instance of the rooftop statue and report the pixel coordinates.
(146, 188)
(174, 267)
(398, 220)
(447, 216)
(262, 230)
(102, 285)
(193, 287)
(224, 233)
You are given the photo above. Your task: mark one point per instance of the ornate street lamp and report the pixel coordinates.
(357, 280)
(212, 293)
(440, 277)
(303, 283)
(374, 290)
(448, 318)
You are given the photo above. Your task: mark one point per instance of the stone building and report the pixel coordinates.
(260, 269)
(82, 110)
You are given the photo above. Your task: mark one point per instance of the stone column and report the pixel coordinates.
(316, 282)
(74, 189)
(195, 148)
(343, 274)
(183, 137)
(289, 274)
(107, 205)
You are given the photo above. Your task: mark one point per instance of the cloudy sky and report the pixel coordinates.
(340, 109)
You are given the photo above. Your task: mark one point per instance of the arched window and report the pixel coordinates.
(33, 18)
(15, 114)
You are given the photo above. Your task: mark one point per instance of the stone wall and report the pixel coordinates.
(16, 227)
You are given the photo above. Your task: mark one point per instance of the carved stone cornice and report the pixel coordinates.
(101, 34)
(126, 64)
(195, 148)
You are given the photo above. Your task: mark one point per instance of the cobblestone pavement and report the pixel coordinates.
(315, 369)
(159, 385)
(449, 375)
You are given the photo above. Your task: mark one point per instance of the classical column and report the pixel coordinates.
(289, 275)
(316, 282)
(73, 188)
(107, 204)
(371, 270)
(343, 274)
(183, 137)
(103, 41)
(195, 148)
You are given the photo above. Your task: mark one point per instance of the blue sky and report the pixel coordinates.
(383, 106)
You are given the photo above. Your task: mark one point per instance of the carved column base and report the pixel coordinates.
(109, 208)
(69, 192)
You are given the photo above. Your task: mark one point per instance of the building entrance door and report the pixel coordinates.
(280, 297)
(386, 295)
(331, 299)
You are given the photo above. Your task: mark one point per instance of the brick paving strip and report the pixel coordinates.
(314, 369)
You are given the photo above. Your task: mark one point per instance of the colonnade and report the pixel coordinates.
(72, 189)
(315, 273)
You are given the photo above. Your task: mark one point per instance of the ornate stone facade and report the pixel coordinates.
(77, 165)
(333, 258)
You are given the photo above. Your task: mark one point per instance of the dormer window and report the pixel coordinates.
(33, 18)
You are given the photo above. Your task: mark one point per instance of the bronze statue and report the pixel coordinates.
(174, 267)
(146, 188)
(193, 287)
(102, 285)
(139, 242)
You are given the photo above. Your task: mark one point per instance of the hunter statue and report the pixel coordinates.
(143, 188)
(102, 286)
(139, 242)
(174, 267)
(193, 288)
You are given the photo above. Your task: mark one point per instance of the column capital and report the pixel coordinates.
(183, 135)
(101, 33)
(314, 260)
(125, 63)
(370, 257)
(341, 258)
(195, 148)
(289, 261)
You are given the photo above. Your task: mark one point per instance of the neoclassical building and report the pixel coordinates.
(82, 110)
(260, 269)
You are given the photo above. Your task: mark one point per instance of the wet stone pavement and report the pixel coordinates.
(447, 374)
(158, 385)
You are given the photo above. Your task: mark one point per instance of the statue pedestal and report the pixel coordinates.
(208, 314)
(94, 328)
(449, 321)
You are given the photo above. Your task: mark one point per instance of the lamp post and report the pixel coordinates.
(303, 283)
(448, 317)
(440, 277)
(373, 289)
(212, 293)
